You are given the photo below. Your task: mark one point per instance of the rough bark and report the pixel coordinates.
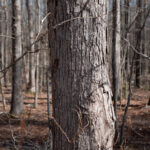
(82, 98)
(17, 97)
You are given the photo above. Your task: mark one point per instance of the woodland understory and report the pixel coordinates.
(74, 75)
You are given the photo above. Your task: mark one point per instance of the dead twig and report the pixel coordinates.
(79, 129)
(12, 135)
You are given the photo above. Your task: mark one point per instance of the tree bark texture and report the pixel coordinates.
(17, 97)
(82, 98)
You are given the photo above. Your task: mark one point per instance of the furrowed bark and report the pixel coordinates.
(82, 98)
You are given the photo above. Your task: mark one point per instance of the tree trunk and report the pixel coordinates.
(32, 55)
(138, 44)
(6, 42)
(3, 96)
(144, 62)
(17, 97)
(37, 57)
(116, 48)
(126, 49)
(82, 98)
(2, 38)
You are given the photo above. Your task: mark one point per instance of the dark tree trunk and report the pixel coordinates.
(138, 45)
(17, 97)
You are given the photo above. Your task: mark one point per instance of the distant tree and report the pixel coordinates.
(32, 67)
(37, 3)
(116, 51)
(6, 42)
(126, 51)
(138, 44)
(17, 97)
(82, 98)
(2, 38)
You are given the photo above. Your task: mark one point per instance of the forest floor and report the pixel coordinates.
(30, 131)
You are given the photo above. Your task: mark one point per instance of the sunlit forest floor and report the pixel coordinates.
(30, 130)
(137, 128)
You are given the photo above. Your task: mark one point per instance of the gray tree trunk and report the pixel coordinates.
(32, 55)
(37, 57)
(17, 97)
(82, 98)
(116, 48)
(2, 95)
(2, 38)
(126, 49)
(6, 52)
(2, 41)
(144, 62)
(138, 45)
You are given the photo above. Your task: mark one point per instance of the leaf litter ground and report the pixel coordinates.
(30, 130)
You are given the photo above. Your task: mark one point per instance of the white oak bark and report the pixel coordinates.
(82, 98)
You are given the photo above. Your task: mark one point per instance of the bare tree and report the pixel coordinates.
(37, 56)
(6, 52)
(83, 113)
(116, 49)
(138, 43)
(32, 67)
(2, 30)
(17, 97)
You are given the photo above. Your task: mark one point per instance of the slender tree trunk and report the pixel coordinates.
(2, 39)
(138, 44)
(128, 103)
(6, 42)
(32, 55)
(145, 62)
(1, 54)
(127, 52)
(2, 32)
(82, 105)
(116, 48)
(37, 57)
(17, 96)
(3, 96)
